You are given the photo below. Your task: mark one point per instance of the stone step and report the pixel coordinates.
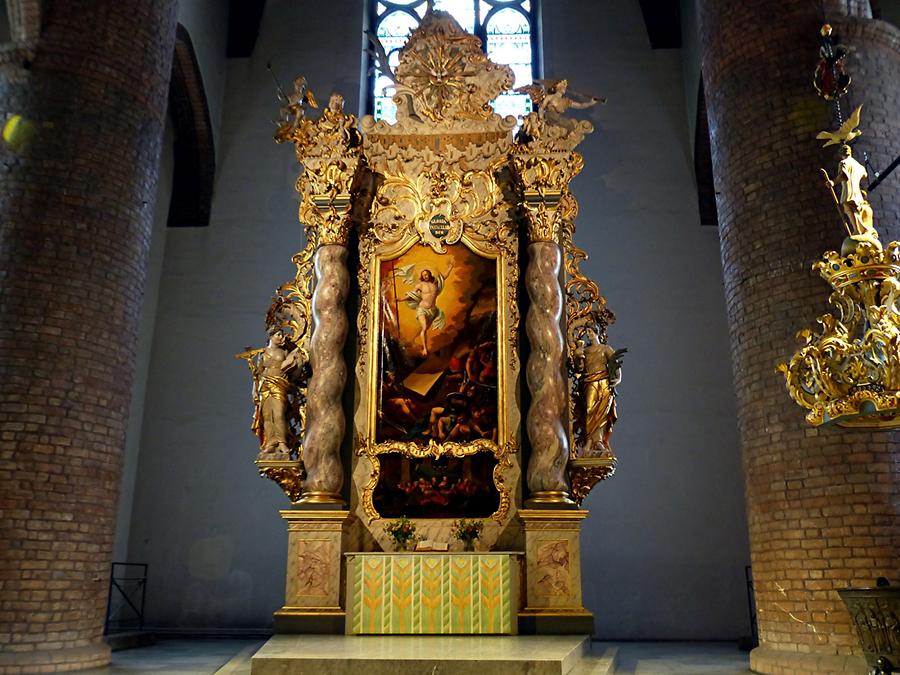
(601, 661)
(428, 655)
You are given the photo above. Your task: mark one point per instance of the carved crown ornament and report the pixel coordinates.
(448, 172)
(848, 371)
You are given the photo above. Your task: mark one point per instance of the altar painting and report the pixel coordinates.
(442, 487)
(437, 370)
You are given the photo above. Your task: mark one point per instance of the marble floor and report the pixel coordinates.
(681, 658)
(232, 657)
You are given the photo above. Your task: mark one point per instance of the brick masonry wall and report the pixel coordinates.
(75, 222)
(822, 503)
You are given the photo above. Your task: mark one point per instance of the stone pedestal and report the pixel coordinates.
(553, 573)
(315, 578)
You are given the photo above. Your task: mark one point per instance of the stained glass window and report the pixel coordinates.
(507, 32)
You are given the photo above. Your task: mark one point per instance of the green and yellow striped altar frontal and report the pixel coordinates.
(432, 593)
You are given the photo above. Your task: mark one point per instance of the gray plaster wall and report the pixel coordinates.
(665, 544)
(207, 23)
(202, 518)
(144, 347)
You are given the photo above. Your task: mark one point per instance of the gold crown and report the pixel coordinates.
(849, 373)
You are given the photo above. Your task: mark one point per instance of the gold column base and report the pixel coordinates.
(320, 497)
(550, 497)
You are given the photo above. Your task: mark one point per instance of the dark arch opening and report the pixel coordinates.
(194, 148)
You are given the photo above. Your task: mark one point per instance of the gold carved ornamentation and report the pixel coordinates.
(585, 473)
(544, 158)
(502, 453)
(416, 192)
(288, 474)
(849, 373)
(442, 74)
(544, 181)
(329, 150)
(586, 312)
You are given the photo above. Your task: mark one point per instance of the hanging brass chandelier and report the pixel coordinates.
(848, 371)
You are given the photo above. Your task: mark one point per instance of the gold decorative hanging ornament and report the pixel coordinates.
(848, 373)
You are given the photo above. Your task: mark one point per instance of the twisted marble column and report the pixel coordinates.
(546, 475)
(324, 413)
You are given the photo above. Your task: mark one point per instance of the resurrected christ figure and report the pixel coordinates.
(422, 299)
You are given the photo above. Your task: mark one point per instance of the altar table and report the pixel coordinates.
(432, 593)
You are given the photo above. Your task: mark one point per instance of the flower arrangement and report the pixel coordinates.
(402, 531)
(467, 531)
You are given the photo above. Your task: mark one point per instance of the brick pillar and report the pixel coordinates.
(822, 503)
(75, 223)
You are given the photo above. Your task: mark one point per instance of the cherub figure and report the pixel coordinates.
(335, 121)
(601, 368)
(422, 299)
(293, 108)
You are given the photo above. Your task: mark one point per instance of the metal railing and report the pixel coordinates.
(127, 592)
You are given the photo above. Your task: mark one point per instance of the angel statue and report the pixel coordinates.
(601, 369)
(552, 99)
(293, 108)
(422, 299)
(271, 395)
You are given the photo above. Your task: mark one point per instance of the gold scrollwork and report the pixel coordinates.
(543, 175)
(849, 373)
(585, 473)
(325, 188)
(288, 474)
(407, 202)
(502, 453)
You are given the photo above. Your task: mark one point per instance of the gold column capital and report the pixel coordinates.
(325, 188)
(543, 178)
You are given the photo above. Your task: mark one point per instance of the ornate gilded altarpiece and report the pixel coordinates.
(463, 229)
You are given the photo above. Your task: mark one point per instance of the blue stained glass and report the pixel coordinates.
(517, 105)
(396, 25)
(385, 109)
(508, 41)
(508, 21)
